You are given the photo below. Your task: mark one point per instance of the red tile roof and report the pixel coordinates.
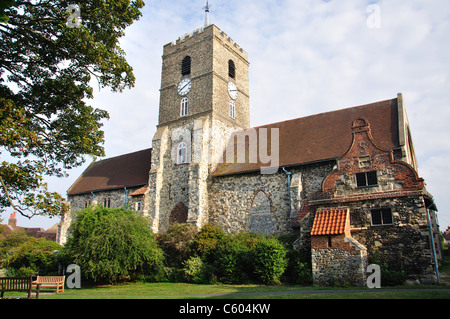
(325, 136)
(330, 222)
(129, 170)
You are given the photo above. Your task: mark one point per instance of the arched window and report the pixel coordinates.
(182, 153)
(184, 107)
(231, 69)
(232, 109)
(186, 66)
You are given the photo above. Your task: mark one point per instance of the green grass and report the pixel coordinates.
(190, 291)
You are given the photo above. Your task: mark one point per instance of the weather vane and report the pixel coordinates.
(206, 8)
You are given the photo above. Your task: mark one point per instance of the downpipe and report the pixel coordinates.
(432, 241)
(289, 174)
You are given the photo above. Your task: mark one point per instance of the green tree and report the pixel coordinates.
(47, 62)
(112, 244)
(33, 256)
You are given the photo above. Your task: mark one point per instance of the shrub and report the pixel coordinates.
(391, 277)
(34, 256)
(269, 256)
(206, 241)
(177, 243)
(194, 270)
(233, 259)
(112, 244)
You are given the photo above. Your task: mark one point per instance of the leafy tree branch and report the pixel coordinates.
(46, 68)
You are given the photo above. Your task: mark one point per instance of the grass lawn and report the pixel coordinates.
(191, 291)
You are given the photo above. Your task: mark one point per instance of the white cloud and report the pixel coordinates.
(306, 57)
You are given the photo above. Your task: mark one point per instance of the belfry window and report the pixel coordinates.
(186, 66)
(182, 153)
(184, 107)
(231, 69)
(232, 109)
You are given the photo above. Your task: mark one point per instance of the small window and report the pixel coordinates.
(364, 161)
(232, 109)
(184, 106)
(186, 66)
(182, 153)
(381, 217)
(107, 203)
(138, 206)
(231, 69)
(366, 179)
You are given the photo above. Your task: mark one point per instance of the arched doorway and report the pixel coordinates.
(179, 214)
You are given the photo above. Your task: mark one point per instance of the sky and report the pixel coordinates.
(306, 57)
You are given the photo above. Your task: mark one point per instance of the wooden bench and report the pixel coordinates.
(18, 284)
(50, 282)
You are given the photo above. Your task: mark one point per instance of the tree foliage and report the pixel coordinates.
(111, 244)
(46, 70)
(22, 255)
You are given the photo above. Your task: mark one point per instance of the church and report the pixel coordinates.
(345, 182)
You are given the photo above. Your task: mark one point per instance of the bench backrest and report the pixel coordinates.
(15, 283)
(50, 279)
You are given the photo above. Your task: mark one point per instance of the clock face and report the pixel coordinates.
(184, 87)
(232, 90)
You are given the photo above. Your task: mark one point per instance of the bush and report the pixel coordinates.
(241, 258)
(32, 257)
(269, 256)
(232, 258)
(194, 270)
(112, 244)
(298, 270)
(206, 241)
(177, 243)
(391, 277)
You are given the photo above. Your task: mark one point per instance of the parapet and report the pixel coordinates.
(210, 30)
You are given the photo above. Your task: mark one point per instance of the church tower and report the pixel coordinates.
(204, 98)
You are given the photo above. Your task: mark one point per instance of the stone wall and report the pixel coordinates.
(337, 266)
(247, 202)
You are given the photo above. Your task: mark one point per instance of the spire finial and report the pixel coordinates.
(206, 8)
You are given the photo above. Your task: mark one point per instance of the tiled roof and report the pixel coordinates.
(140, 191)
(129, 170)
(330, 222)
(324, 136)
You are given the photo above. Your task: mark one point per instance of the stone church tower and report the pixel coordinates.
(204, 98)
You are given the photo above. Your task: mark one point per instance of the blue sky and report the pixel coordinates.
(306, 57)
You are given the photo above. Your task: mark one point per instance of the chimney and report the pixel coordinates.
(12, 222)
